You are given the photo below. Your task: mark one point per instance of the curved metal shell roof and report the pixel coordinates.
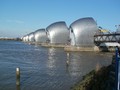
(58, 33)
(40, 36)
(82, 32)
(26, 38)
(31, 37)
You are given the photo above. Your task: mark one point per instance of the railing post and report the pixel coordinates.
(116, 68)
(68, 57)
(18, 76)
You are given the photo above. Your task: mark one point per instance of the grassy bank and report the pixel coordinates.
(95, 80)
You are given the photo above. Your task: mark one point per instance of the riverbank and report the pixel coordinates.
(96, 80)
(16, 39)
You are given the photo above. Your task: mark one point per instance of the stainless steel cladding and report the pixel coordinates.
(26, 38)
(31, 37)
(58, 33)
(82, 32)
(40, 36)
(23, 38)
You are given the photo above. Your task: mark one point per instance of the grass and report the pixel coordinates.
(95, 80)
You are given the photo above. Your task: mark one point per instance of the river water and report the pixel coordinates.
(45, 68)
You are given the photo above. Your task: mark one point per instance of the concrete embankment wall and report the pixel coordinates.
(107, 49)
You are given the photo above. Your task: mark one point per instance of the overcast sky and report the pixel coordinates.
(20, 17)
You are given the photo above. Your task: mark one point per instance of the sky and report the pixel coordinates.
(20, 17)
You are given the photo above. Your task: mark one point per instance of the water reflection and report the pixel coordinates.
(68, 59)
(73, 64)
(51, 58)
(77, 64)
(18, 87)
(45, 68)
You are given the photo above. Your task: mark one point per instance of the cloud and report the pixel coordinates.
(15, 21)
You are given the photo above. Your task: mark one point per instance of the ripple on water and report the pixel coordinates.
(45, 68)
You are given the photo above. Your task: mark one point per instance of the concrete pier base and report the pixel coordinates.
(53, 45)
(32, 43)
(47, 44)
(74, 48)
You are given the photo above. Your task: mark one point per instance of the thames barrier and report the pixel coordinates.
(82, 35)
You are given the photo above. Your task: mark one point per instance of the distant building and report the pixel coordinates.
(58, 33)
(82, 32)
(40, 36)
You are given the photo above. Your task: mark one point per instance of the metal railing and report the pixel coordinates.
(100, 38)
(117, 69)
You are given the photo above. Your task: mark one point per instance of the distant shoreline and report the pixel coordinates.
(16, 39)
